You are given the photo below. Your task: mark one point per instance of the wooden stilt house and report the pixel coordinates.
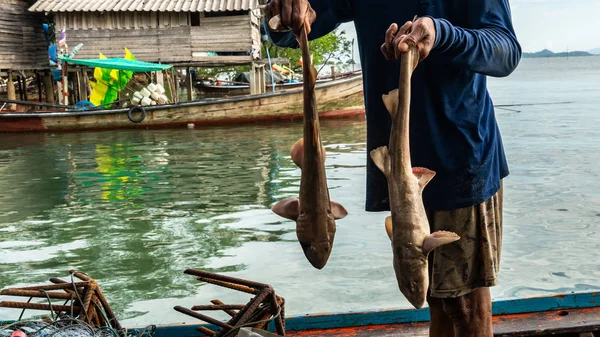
(184, 32)
(23, 49)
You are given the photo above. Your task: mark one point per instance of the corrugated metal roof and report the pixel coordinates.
(143, 5)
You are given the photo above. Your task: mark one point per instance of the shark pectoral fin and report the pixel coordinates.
(388, 226)
(288, 208)
(423, 175)
(381, 158)
(437, 239)
(391, 102)
(338, 211)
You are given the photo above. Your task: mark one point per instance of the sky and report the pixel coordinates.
(551, 24)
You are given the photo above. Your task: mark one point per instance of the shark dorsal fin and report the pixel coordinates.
(391, 102)
(381, 158)
(423, 175)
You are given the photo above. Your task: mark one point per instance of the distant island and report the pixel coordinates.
(549, 53)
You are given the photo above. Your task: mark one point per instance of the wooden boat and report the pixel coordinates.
(574, 314)
(337, 99)
(235, 88)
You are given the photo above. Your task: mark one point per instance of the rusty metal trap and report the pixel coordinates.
(262, 309)
(84, 302)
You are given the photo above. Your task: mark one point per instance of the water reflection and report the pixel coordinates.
(135, 208)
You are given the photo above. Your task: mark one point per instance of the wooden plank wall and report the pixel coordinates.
(255, 32)
(151, 37)
(157, 36)
(222, 34)
(22, 43)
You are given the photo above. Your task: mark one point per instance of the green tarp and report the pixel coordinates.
(118, 63)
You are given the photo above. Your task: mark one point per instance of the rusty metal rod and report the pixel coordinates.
(252, 284)
(244, 314)
(88, 299)
(60, 286)
(34, 293)
(228, 312)
(206, 331)
(107, 309)
(37, 306)
(280, 321)
(80, 275)
(218, 307)
(202, 317)
(56, 280)
(229, 285)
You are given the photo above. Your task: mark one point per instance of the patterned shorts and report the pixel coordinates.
(473, 261)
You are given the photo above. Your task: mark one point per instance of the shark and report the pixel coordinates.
(314, 213)
(408, 226)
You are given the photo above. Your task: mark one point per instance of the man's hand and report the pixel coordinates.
(293, 14)
(420, 33)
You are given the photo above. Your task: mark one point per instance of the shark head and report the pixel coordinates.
(413, 278)
(317, 253)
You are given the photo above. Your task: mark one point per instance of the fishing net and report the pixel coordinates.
(63, 327)
(67, 326)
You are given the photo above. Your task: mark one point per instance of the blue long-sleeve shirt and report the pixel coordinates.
(453, 130)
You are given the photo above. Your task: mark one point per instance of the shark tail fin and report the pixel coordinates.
(381, 158)
(437, 239)
(288, 208)
(423, 175)
(390, 101)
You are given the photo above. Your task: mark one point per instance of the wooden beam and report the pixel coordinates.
(10, 87)
(49, 87)
(188, 84)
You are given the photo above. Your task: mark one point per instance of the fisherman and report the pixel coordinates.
(453, 127)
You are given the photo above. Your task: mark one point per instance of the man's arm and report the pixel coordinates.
(330, 14)
(489, 47)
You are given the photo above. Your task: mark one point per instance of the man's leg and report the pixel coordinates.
(440, 324)
(462, 272)
(471, 314)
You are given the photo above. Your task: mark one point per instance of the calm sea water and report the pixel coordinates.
(134, 209)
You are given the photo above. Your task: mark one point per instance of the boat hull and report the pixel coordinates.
(560, 315)
(337, 99)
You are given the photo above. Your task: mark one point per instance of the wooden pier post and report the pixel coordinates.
(10, 88)
(49, 87)
(188, 84)
(39, 85)
(257, 79)
(85, 85)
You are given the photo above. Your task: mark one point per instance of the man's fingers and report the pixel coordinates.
(405, 28)
(298, 15)
(403, 43)
(388, 48)
(386, 53)
(286, 13)
(390, 33)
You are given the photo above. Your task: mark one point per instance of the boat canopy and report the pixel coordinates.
(118, 64)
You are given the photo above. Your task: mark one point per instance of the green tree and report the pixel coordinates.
(331, 49)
